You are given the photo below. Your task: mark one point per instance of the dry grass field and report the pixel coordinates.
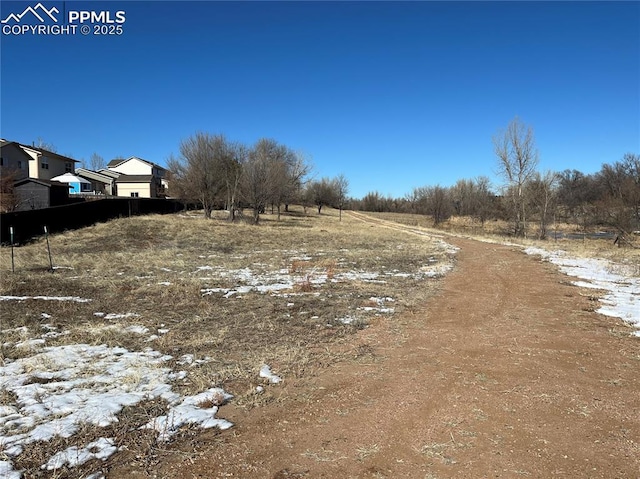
(193, 305)
(117, 357)
(497, 231)
(509, 370)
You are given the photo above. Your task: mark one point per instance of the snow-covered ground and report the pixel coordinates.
(247, 280)
(621, 289)
(57, 390)
(62, 388)
(45, 298)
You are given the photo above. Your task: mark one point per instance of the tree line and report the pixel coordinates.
(221, 174)
(529, 199)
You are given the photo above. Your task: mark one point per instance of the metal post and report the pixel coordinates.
(13, 269)
(46, 234)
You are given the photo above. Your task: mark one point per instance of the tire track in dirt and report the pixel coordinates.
(506, 372)
(415, 230)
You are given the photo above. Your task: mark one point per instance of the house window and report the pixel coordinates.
(1, 161)
(68, 167)
(45, 163)
(134, 194)
(84, 187)
(19, 164)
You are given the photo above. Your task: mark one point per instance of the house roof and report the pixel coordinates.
(115, 162)
(134, 179)
(48, 183)
(12, 145)
(146, 161)
(50, 154)
(70, 178)
(5, 143)
(94, 175)
(110, 173)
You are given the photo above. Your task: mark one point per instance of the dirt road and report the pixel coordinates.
(506, 372)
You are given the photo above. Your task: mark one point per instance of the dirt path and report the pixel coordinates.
(506, 372)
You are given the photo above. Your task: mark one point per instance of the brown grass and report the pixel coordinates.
(628, 255)
(156, 267)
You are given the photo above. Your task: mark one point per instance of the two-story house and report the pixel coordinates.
(24, 161)
(27, 172)
(138, 178)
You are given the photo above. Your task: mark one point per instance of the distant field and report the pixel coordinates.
(497, 231)
(153, 322)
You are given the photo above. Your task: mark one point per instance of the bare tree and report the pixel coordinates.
(620, 192)
(341, 185)
(631, 167)
(322, 193)
(484, 200)
(574, 189)
(411, 200)
(9, 200)
(260, 181)
(44, 145)
(232, 173)
(462, 195)
(177, 178)
(96, 162)
(287, 171)
(306, 197)
(373, 201)
(298, 171)
(541, 190)
(517, 162)
(438, 204)
(419, 199)
(197, 173)
(285, 174)
(330, 192)
(278, 174)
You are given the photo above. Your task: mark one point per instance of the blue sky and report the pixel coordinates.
(393, 95)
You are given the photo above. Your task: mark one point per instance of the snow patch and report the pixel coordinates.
(346, 319)
(120, 315)
(198, 410)
(74, 456)
(265, 372)
(61, 388)
(137, 329)
(8, 472)
(622, 297)
(75, 299)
